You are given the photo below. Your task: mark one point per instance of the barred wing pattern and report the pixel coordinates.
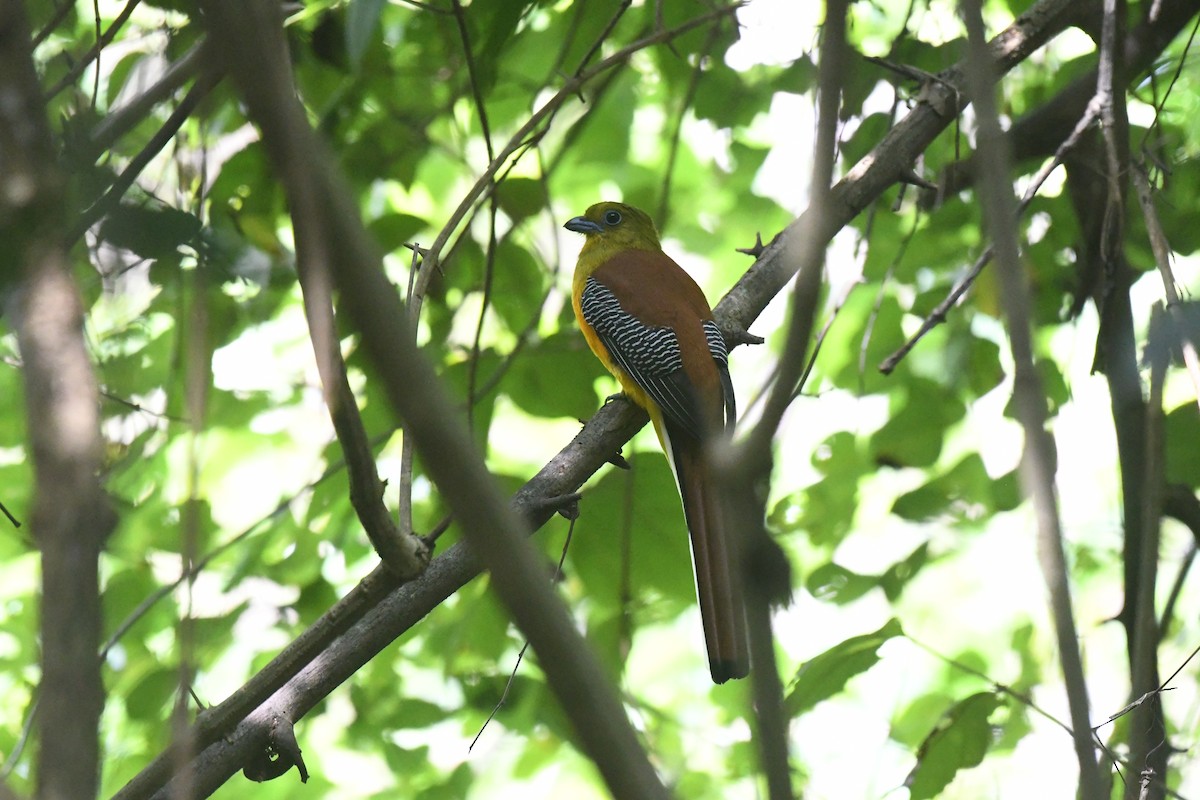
(651, 356)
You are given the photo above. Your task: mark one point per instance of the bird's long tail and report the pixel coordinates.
(718, 580)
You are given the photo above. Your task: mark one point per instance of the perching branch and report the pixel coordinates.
(612, 426)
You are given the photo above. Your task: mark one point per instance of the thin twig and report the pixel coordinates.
(61, 11)
(689, 95)
(544, 113)
(938, 315)
(201, 563)
(1185, 566)
(121, 184)
(404, 510)
(873, 317)
(93, 54)
(121, 120)
(460, 19)
(1162, 257)
(489, 279)
(14, 757)
(96, 71)
(521, 654)
(619, 12)
(1024, 699)
(141, 409)
(16, 523)
(1183, 58)
(490, 256)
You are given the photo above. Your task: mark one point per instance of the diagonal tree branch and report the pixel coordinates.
(612, 426)
(939, 103)
(246, 32)
(1037, 134)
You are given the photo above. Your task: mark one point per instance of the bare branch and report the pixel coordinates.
(93, 53)
(1037, 466)
(121, 120)
(133, 169)
(402, 552)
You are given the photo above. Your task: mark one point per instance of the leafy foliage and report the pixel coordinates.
(897, 496)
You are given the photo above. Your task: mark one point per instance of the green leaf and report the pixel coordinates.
(520, 198)
(825, 510)
(1177, 206)
(555, 378)
(898, 575)
(862, 338)
(415, 713)
(835, 583)
(648, 516)
(518, 282)
(960, 741)
(865, 137)
(913, 436)
(393, 231)
(152, 694)
(149, 231)
(1181, 432)
(362, 18)
(827, 674)
(498, 22)
(725, 97)
(964, 493)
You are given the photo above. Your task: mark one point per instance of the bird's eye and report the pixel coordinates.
(612, 217)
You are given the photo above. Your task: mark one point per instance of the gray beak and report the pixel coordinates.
(583, 225)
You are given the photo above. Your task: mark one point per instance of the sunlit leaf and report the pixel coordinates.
(827, 674)
(960, 741)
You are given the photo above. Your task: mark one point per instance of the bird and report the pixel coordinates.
(650, 325)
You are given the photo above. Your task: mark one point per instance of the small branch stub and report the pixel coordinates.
(756, 249)
(280, 755)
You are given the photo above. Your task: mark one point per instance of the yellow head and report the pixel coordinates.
(613, 227)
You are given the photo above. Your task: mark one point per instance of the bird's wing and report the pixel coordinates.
(649, 354)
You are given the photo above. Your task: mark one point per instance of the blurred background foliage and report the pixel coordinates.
(896, 495)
